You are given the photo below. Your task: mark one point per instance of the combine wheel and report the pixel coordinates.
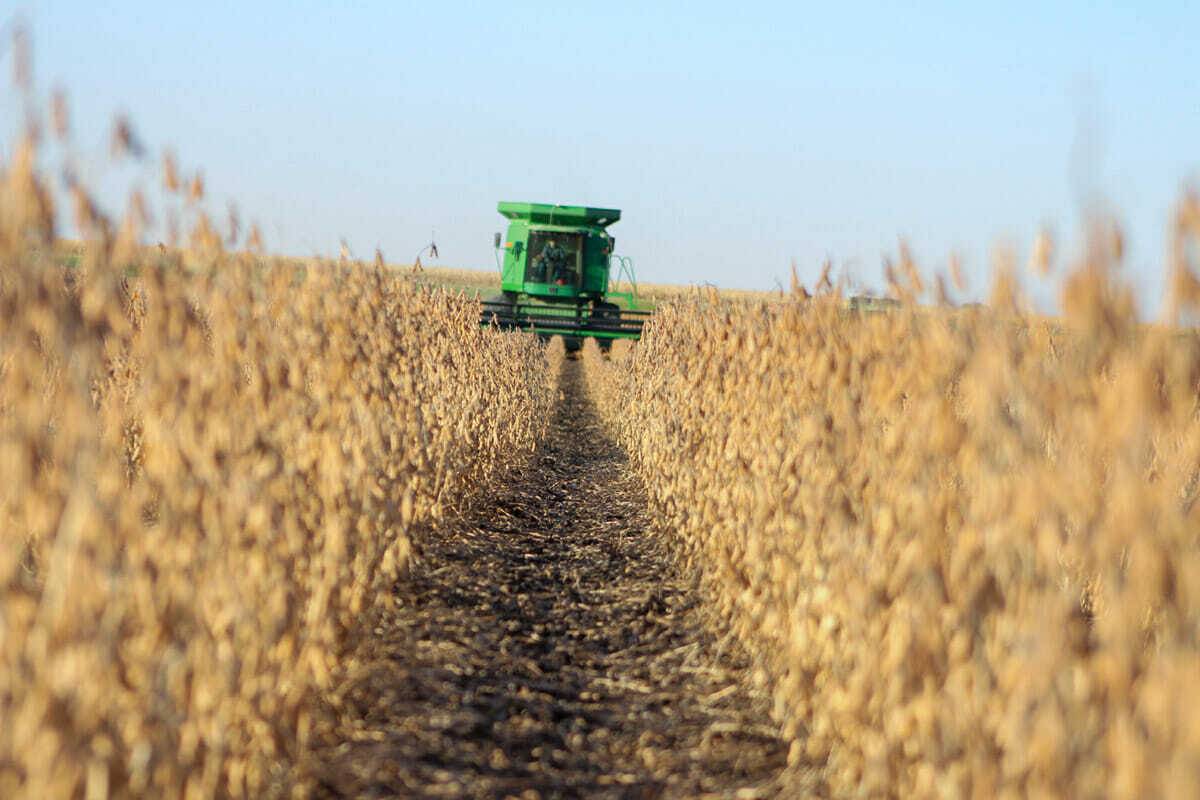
(606, 315)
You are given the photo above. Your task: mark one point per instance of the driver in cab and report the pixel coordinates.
(554, 263)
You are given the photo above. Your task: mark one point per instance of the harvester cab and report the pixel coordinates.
(555, 265)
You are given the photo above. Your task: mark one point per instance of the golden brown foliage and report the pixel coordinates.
(210, 473)
(964, 547)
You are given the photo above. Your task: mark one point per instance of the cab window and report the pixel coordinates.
(555, 258)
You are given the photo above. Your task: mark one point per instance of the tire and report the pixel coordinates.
(606, 316)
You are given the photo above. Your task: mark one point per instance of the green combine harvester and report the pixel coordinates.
(554, 277)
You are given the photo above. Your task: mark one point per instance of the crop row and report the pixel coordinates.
(962, 545)
(213, 467)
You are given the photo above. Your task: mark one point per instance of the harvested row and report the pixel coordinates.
(547, 646)
(211, 472)
(964, 548)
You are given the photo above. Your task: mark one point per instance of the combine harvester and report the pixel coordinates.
(555, 276)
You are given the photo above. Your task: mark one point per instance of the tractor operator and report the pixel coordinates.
(554, 263)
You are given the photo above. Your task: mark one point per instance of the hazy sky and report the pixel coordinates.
(735, 137)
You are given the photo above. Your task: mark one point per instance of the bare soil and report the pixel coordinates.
(546, 645)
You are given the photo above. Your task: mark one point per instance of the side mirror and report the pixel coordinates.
(496, 241)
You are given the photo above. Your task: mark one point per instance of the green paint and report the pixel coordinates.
(557, 262)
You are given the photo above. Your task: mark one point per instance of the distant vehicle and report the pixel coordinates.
(867, 303)
(554, 278)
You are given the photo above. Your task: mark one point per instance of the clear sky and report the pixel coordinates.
(736, 137)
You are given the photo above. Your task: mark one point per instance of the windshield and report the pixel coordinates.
(555, 257)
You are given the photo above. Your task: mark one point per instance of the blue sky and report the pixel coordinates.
(736, 137)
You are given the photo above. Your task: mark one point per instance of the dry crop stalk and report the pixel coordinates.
(212, 472)
(964, 546)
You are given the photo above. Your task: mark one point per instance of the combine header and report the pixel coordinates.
(555, 274)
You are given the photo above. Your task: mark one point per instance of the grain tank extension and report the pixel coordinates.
(554, 277)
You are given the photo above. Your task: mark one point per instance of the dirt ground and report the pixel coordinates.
(546, 646)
